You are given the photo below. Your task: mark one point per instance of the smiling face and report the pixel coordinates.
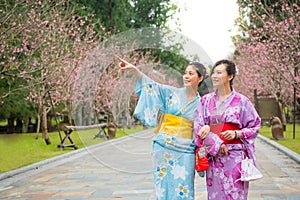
(191, 77)
(220, 77)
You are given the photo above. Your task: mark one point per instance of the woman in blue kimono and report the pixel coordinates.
(173, 147)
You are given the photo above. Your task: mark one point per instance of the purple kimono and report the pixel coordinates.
(223, 176)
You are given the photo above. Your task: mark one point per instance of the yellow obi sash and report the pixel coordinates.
(175, 126)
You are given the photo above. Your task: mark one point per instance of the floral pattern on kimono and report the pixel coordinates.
(173, 156)
(223, 176)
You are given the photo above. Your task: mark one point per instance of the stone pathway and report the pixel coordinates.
(121, 169)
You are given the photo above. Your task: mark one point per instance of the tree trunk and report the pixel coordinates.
(44, 126)
(10, 125)
(50, 128)
(25, 125)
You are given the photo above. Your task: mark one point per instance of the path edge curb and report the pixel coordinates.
(70, 155)
(293, 155)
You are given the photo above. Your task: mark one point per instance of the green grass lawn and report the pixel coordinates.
(18, 150)
(289, 142)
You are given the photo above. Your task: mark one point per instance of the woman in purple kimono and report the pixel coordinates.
(234, 125)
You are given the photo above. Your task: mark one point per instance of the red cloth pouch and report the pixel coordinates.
(201, 160)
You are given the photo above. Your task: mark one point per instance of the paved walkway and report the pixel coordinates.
(121, 169)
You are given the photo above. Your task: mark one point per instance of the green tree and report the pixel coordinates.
(120, 15)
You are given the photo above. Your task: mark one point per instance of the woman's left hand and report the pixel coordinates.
(223, 149)
(203, 132)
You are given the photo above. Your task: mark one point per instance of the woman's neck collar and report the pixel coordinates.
(223, 92)
(191, 93)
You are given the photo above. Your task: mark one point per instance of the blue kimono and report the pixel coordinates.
(173, 147)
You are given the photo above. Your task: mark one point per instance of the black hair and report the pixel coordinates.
(230, 68)
(200, 69)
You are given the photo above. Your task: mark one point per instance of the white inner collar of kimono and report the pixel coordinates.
(222, 105)
(183, 97)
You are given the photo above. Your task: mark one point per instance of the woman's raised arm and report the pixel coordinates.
(124, 65)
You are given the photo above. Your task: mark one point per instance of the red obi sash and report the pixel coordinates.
(219, 128)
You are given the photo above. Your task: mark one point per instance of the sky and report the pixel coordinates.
(208, 23)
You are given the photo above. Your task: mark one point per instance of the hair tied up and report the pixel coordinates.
(200, 68)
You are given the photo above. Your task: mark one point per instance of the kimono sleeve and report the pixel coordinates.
(199, 121)
(150, 101)
(250, 121)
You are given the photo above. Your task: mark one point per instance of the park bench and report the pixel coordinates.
(69, 129)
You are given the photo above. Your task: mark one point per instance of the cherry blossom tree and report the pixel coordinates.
(268, 56)
(43, 43)
(103, 88)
